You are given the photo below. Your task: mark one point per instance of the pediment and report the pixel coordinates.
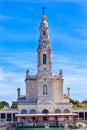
(45, 103)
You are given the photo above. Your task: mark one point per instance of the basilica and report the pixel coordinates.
(44, 91)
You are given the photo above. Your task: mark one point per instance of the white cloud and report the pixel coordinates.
(28, 60)
(74, 74)
(82, 31)
(6, 17)
(13, 35)
(9, 82)
(12, 78)
(4, 74)
(29, 8)
(58, 36)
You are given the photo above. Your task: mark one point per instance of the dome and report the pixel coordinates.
(43, 17)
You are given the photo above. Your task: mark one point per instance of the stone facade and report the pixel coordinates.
(44, 91)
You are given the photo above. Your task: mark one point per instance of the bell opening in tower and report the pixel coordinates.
(44, 58)
(44, 33)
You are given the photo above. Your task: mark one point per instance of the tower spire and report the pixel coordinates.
(44, 49)
(43, 16)
(43, 10)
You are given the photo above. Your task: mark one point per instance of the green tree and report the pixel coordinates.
(84, 101)
(0, 105)
(14, 105)
(77, 104)
(74, 102)
(4, 104)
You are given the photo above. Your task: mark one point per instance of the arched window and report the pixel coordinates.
(66, 111)
(32, 111)
(24, 111)
(45, 111)
(44, 89)
(44, 58)
(57, 111)
(43, 32)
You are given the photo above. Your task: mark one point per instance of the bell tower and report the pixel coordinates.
(44, 49)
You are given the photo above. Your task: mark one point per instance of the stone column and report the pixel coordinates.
(6, 117)
(84, 116)
(78, 116)
(11, 117)
(18, 119)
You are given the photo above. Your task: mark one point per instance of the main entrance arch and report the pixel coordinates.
(45, 111)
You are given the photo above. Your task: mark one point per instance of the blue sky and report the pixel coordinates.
(19, 34)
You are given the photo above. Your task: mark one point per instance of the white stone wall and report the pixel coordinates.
(31, 90)
(26, 107)
(57, 90)
(51, 107)
(41, 82)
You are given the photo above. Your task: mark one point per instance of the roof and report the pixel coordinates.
(48, 115)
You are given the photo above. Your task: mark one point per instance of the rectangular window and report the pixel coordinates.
(9, 117)
(14, 117)
(81, 115)
(44, 58)
(2, 115)
(85, 115)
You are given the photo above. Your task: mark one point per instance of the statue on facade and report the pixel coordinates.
(27, 74)
(68, 92)
(18, 90)
(60, 73)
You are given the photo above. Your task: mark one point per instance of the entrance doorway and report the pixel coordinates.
(45, 111)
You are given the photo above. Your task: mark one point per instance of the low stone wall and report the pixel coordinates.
(5, 126)
(2, 128)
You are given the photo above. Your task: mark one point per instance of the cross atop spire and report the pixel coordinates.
(43, 10)
(43, 16)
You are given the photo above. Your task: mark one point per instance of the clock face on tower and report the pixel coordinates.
(44, 44)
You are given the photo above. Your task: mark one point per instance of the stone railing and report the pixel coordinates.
(26, 103)
(64, 103)
(79, 109)
(31, 77)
